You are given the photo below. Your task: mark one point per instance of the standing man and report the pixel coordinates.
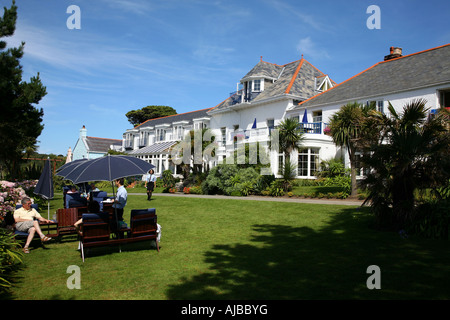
(121, 199)
(150, 183)
(24, 218)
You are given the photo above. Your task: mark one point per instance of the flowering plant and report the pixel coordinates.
(327, 131)
(12, 193)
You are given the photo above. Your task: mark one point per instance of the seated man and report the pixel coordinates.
(24, 218)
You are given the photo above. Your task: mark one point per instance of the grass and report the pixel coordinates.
(244, 249)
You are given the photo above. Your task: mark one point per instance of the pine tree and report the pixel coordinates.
(21, 122)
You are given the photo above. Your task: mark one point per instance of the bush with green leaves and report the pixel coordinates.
(339, 181)
(10, 257)
(431, 220)
(332, 168)
(229, 179)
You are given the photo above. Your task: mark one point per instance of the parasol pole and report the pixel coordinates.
(115, 214)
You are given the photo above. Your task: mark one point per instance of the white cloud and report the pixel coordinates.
(284, 8)
(308, 48)
(213, 54)
(133, 6)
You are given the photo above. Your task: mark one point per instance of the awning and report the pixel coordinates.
(154, 148)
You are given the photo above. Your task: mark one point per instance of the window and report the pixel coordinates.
(380, 106)
(308, 162)
(178, 132)
(317, 116)
(323, 83)
(160, 135)
(280, 163)
(270, 125)
(444, 98)
(302, 169)
(198, 125)
(223, 131)
(257, 85)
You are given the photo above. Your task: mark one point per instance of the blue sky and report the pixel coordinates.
(190, 54)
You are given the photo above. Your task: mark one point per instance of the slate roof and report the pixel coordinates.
(264, 69)
(101, 144)
(422, 69)
(297, 78)
(188, 116)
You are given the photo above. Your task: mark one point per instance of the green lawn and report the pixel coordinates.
(243, 249)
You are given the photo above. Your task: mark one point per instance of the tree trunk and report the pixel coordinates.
(354, 186)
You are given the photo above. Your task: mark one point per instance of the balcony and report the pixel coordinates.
(142, 142)
(313, 127)
(128, 144)
(240, 96)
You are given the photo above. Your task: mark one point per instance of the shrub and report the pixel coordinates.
(12, 193)
(10, 256)
(168, 179)
(195, 190)
(431, 220)
(227, 179)
(277, 188)
(340, 181)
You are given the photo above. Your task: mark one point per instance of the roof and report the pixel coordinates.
(188, 116)
(101, 144)
(264, 69)
(296, 79)
(154, 148)
(418, 70)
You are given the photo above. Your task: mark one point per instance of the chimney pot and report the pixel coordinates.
(395, 52)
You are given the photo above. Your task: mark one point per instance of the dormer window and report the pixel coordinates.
(256, 85)
(323, 83)
(201, 123)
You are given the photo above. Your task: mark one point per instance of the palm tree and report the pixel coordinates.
(201, 146)
(289, 138)
(345, 129)
(411, 153)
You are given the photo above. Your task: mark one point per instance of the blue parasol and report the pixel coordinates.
(44, 187)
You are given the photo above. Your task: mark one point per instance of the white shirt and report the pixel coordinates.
(121, 197)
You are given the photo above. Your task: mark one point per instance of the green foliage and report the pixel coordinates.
(411, 154)
(339, 181)
(168, 179)
(21, 122)
(332, 168)
(230, 179)
(432, 220)
(243, 157)
(277, 188)
(136, 117)
(10, 256)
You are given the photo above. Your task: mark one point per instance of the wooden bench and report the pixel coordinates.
(95, 230)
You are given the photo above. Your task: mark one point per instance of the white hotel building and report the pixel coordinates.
(269, 93)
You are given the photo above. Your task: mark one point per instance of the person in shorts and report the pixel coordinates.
(27, 220)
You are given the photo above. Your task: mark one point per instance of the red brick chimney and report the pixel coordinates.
(395, 52)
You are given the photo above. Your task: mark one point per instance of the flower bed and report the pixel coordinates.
(12, 193)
